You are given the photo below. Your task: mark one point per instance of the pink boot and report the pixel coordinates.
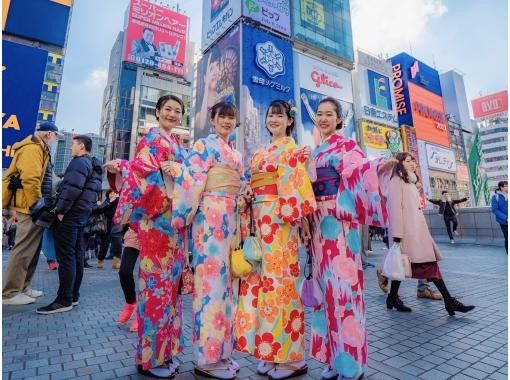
(126, 313)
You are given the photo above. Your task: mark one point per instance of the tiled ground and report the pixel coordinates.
(86, 343)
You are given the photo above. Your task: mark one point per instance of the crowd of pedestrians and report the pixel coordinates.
(172, 205)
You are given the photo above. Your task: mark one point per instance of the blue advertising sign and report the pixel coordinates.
(41, 20)
(379, 90)
(309, 134)
(23, 75)
(274, 14)
(266, 76)
(401, 93)
(418, 73)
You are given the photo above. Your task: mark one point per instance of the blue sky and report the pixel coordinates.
(468, 35)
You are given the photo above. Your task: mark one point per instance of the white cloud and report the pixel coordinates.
(97, 79)
(391, 26)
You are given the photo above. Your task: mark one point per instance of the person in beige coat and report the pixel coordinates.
(408, 228)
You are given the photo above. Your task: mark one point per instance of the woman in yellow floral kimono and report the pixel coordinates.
(270, 322)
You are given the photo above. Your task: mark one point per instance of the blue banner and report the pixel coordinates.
(267, 75)
(418, 73)
(23, 75)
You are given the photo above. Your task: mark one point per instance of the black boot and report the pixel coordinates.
(393, 301)
(451, 304)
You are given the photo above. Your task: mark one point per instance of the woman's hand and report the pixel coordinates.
(305, 231)
(388, 165)
(168, 168)
(304, 154)
(113, 166)
(241, 204)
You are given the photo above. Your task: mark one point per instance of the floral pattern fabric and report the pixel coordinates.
(144, 202)
(338, 335)
(213, 214)
(269, 323)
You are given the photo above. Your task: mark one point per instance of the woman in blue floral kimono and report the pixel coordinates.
(207, 189)
(146, 203)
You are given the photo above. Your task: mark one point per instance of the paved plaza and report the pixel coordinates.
(87, 343)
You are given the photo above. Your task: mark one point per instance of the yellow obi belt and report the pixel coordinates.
(223, 179)
(265, 183)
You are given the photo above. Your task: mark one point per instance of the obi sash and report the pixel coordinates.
(265, 183)
(327, 182)
(223, 179)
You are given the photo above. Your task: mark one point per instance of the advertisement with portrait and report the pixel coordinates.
(274, 14)
(217, 17)
(418, 73)
(429, 119)
(218, 78)
(42, 20)
(23, 75)
(267, 76)
(380, 140)
(156, 37)
(315, 81)
(325, 24)
(492, 105)
(440, 158)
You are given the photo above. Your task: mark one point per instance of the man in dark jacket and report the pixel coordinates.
(80, 188)
(447, 209)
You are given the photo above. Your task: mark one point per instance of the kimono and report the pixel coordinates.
(145, 203)
(206, 195)
(348, 194)
(269, 323)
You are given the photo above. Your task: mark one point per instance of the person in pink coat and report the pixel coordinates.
(408, 228)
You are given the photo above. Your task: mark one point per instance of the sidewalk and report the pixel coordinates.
(86, 343)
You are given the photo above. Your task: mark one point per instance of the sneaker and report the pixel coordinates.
(18, 299)
(53, 308)
(116, 263)
(33, 293)
(126, 313)
(52, 265)
(76, 303)
(100, 264)
(452, 241)
(456, 233)
(134, 325)
(429, 294)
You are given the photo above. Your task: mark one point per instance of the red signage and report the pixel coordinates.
(323, 79)
(156, 37)
(491, 105)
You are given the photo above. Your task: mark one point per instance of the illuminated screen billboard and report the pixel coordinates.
(417, 72)
(217, 17)
(492, 105)
(42, 20)
(325, 24)
(22, 76)
(156, 37)
(429, 119)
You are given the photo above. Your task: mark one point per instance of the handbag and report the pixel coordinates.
(393, 266)
(310, 291)
(96, 225)
(42, 213)
(187, 282)
(239, 266)
(252, 246)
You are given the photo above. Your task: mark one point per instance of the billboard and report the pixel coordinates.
(325, 24)
(462, 172)
(267, 75)
(428, 116)
(478, 176)
(41, 20)
(156, 37)
(274, 14)
(22, 75)
(401, 93)
(417, 72)
(379, 90)
(424, 168)
(490, 106)
(217, 17)
(374, 63)
(440, 158)
(380, 141)
(218, 78)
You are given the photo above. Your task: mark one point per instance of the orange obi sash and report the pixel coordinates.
(265, 183)
(223, 179)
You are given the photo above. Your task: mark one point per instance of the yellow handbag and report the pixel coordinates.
(239, 266)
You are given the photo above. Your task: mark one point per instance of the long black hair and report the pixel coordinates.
(162, 101)
(399, 169)
(223, 108)
(281, 107)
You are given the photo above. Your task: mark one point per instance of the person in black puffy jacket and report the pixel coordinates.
(78, 193)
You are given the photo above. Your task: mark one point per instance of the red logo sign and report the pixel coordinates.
(323, 79)
(490, 105)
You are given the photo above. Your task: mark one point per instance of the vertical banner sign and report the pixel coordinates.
(478, 177)
(422, 153)
(217, 79)
(267, 76)
(22, 74)
(217, 17)
(274, 14)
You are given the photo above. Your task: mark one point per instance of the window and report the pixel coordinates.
(494, 140)
(494, 159)
(494, 130)
(495, 149)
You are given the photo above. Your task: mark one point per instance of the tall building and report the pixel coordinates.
(491, 115)
(62, 156)
(149, 59)
(34, 43)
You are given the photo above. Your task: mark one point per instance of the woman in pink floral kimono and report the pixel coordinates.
(347, 194)
(146, 203)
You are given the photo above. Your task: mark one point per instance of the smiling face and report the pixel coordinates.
(277, 122)
(327, 119)
(224, 124)
(170, 115)
(409, 164)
